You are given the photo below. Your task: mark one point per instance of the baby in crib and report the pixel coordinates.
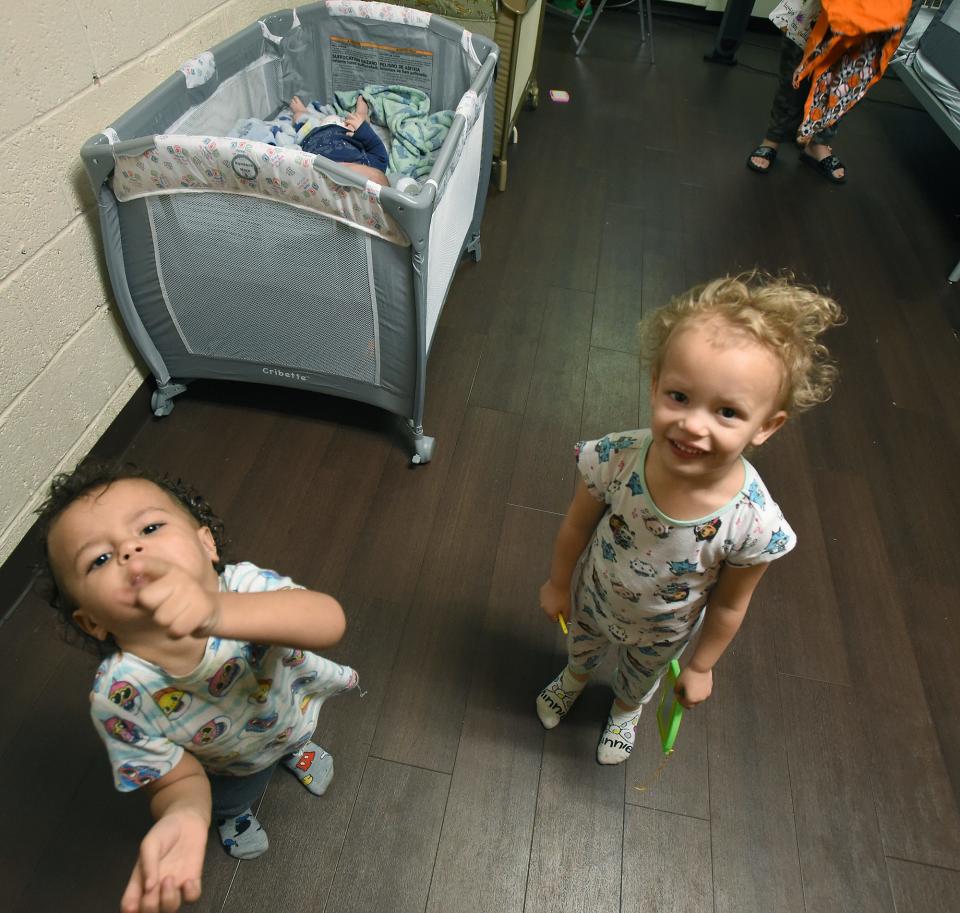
(351, 140)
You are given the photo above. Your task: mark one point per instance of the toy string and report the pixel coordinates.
(643, 787)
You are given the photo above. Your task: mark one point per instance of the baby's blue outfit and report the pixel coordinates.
(332, 141)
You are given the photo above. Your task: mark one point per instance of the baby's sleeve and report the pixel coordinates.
(245, 577)
(600, 462)
(765, 537)
(139, 753)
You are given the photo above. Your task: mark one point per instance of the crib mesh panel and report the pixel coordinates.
(451, 222)
(251, 280)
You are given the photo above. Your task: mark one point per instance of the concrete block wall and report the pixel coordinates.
(66, 71)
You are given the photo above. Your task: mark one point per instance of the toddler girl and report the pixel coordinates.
(670, 528)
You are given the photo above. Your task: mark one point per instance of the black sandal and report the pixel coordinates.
(762, 152)
(826, 166)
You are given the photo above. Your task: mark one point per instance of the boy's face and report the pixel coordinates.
(91, 545)
(716, 394)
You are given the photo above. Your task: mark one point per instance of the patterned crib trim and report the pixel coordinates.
(199, 70)
(195, 164)
(384, 11)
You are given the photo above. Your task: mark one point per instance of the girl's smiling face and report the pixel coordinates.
(92, 542)
(718, 391)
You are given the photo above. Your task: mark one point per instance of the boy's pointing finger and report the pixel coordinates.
(148, 568)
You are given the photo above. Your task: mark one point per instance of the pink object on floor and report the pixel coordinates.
(559, 95)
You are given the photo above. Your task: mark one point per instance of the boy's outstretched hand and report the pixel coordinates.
(167, 873)
(179, 603)
(693, 687)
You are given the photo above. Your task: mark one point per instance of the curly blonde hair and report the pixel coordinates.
(781, 315)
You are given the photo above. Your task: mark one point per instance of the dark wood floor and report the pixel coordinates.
(823, 775)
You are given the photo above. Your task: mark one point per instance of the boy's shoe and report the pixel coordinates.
(619, 734)
(242, 836)
(557, 698)
(312, 766)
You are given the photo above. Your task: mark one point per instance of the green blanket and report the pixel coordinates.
(405, 112)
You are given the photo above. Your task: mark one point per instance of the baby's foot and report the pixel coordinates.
(616, 743)
(558, 697)
(312, 766)
(242, 836)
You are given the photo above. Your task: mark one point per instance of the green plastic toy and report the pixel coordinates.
(669, 710)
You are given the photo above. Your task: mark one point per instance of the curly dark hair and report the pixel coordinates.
(68, 487)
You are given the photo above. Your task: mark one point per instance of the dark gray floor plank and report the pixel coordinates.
(666, 863)
(755, 864)
(680, 783)
(617, 312)
(664, 270)
(295, 819)
(389, 850)
(831, 772)
(423, 710)
(935, 635)
(57, 730)
(915, 801)
(388, 554)
(31, 632)
(923, 888)
(611, 400)
(544, 473)
(621, 248)
(575, 859)
(485, 842)
(798, 591)
(503, 376)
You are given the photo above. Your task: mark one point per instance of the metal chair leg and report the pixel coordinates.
(650, 27)
(582, 42)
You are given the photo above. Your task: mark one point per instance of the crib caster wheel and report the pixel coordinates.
(161, 400)
(423, 447)
(160, 405)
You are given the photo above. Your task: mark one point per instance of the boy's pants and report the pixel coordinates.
(233, 795)
(641, 663)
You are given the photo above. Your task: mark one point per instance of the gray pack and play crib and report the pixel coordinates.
(238, 259)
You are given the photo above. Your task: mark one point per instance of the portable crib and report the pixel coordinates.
(237, 260)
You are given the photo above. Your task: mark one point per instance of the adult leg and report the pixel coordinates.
(786, 111)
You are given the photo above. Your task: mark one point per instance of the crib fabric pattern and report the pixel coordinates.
(385, 12)
(194, 164)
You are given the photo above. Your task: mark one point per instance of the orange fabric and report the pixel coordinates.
(847, 51)
(857, 17)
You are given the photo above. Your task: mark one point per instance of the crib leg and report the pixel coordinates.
(473, 248)
(501, 166)
(423, 446)
(162, 399)
(955, 275)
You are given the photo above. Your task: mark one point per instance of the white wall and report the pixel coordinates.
(67, 69)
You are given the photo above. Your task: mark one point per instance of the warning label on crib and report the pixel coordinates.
(359, 63)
